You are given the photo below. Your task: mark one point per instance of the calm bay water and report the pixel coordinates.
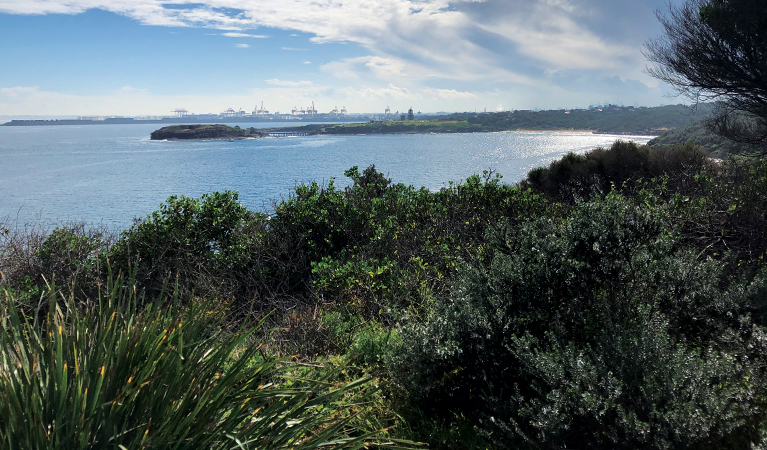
(110, 174)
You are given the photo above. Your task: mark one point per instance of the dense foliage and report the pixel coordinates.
(598, 331)
(612, 299)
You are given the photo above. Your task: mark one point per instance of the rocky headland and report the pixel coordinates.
(205, 132)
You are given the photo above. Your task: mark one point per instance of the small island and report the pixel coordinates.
(205, 132)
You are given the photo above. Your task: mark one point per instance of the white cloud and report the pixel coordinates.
(533, 44)
(450, 94)
(244, 35)
(390, 92)
(18, 91)
(551, 73)
(382, 68)
(242, 45)
(400, 93)
(426, 38)
(548, 31)
(276, 82)
(291, 49)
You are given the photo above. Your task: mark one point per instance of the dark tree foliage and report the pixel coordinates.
(598, 332)
(204, 242)
(716, 50)
(720, 207)
(624, 165)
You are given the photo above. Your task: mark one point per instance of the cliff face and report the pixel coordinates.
(205, 132)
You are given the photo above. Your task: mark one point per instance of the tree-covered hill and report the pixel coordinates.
(699, 133)
(608, 119)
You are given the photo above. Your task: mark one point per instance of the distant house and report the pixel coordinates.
(410, 115)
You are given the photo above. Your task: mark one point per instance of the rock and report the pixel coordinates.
(217, 131)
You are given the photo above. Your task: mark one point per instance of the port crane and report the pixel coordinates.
(260, 111)
(312, 111)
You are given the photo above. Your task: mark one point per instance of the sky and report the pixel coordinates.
(150, 57)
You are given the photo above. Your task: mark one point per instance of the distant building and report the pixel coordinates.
(410, 115)
(402, 117)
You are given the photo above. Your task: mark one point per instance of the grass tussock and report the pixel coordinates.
(112, 375)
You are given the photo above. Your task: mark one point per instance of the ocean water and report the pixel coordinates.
(111, 174)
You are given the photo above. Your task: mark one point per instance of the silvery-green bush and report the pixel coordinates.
(600, 330)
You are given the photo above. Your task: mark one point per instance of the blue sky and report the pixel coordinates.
(131, 57)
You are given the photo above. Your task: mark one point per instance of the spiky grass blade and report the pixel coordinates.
(110, 376)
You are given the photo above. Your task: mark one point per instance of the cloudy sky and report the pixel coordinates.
(131, 57)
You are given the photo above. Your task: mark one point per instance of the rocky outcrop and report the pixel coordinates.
(188, 132)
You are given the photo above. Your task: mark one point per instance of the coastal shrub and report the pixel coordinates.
(112, 375)
(726, 213)
(70, 258)
(599, 331)
(719, 206)
(385, 244)
(204, 242)
(33, 258)
(19, 258)
(622, 165)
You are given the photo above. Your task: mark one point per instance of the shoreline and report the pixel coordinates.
(224, 132)
(549, 131)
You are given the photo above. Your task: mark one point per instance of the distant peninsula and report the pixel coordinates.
(609, 119)
(205, 132)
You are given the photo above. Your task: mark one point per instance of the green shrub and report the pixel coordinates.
(623, 164)
(32, 258)
(70, 258)
(599, 331)
(204, 242)
(114, 376)
(386, 245)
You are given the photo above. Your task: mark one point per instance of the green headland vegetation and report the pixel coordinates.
(205, 132)
(607, 119)
(616, 299)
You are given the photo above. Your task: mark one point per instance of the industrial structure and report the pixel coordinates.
(260, 112)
